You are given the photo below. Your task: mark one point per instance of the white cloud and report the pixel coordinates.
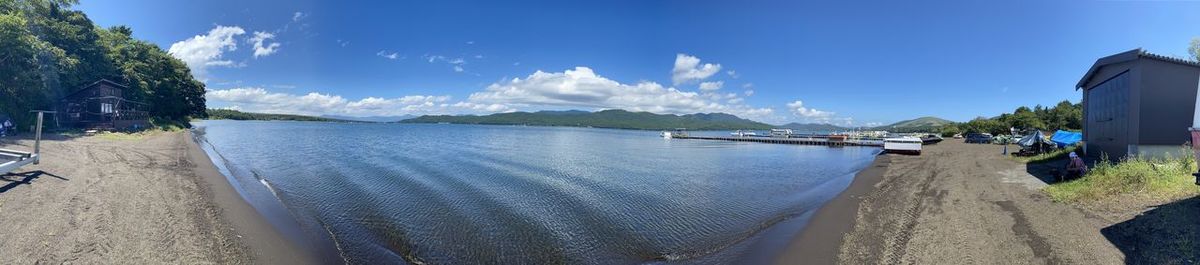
(797, 108)
(434, 58)
(688, 69)
(389, 55)
(455, 63)
(711, 86)
(749, 93)
(733, 74)
(259, 39)
(260, 100)
(583, 88)
(343, 43)
(298, 16)
(470, 42)
(203, 51)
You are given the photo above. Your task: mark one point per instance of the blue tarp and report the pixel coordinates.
(1065, 138)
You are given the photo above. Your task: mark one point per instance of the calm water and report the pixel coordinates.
(454, 194)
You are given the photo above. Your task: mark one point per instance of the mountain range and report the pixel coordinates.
(619, 119)
(371, 118)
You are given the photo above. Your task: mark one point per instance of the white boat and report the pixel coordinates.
(784, 133)
(741, 133)
(678, 133)
(902, 145)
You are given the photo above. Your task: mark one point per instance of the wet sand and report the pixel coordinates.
(954, 204)
(152, 200)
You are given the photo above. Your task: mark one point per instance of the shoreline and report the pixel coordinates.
(264, 242)
(820, 240)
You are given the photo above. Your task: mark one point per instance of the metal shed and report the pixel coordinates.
(1138, 103)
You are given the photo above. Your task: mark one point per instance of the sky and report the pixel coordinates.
(857, 63)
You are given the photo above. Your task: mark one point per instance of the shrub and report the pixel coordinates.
(1155, 179)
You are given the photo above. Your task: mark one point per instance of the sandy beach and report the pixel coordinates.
(153, 200)
(954, 204)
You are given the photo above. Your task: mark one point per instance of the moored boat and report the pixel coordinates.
(931, 139)
(910, 145)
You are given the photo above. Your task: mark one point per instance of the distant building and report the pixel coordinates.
(1138, 103)
(102, 105)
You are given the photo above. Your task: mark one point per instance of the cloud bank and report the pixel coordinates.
(688, 69)
(203, 51)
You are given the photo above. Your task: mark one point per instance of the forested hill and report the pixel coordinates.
(228, 114)
(813, 127)
(922, 124)
(603, 119)
(48, 51)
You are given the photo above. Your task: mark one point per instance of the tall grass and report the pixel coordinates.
(1154, 179)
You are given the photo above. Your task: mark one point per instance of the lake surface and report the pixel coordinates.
(455, 194)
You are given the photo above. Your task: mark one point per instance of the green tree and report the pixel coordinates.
(1194, 48)
(985, 125)
(949, 130)
(48, 51)
(1025, 120)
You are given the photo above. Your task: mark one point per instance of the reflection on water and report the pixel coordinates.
(452, 194)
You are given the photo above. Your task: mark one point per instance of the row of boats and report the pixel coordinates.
(898, 143)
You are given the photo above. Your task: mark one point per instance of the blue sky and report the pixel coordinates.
(844, 62)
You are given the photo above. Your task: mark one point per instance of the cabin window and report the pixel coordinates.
(106, 108)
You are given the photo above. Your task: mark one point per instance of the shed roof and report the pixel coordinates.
(1130, 55)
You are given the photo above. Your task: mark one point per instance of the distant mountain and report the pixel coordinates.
(228, 114)
(371, 118)
(813, 127)
(922, 124)
(619, 119)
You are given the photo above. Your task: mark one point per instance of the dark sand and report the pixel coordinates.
(954, 204)
(815, 244)
(156, 199)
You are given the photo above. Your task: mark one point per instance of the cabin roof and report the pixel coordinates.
(98, 82)
(1126, 56)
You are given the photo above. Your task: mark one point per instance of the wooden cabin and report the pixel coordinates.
(102, 105)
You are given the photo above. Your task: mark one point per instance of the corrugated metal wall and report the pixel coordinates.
(1108, 116)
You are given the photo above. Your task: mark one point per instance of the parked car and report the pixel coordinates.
(978, 138)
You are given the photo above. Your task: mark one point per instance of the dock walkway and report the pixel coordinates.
(797, 141)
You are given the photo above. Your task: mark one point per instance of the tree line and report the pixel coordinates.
(1063, 116)
(48, 51)
(228, 114)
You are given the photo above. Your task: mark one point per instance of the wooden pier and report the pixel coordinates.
(781, 140)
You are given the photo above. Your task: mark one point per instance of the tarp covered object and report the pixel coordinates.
(1065, 138)
(6, 126)
(1033, 139)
